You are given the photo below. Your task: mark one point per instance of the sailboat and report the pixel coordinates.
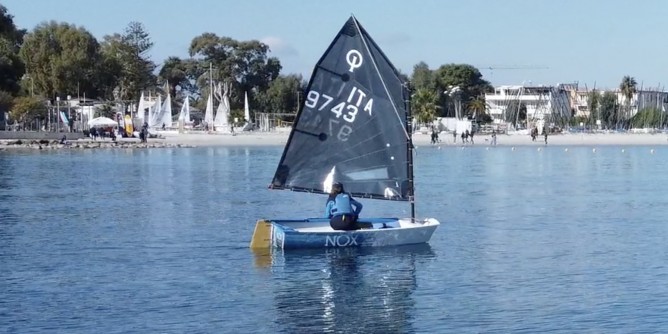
(353, 127)
(208, 113)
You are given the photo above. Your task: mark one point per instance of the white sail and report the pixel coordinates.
(140, 108)
(184, 115)
(154, 113)
(246, 108)
(165, 118)
(222, 115)
(208, 114)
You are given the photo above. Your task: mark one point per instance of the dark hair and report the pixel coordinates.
(337, 188)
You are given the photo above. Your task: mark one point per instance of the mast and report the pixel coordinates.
(409, 149)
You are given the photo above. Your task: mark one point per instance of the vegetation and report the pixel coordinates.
(466, 80)
(57, 59)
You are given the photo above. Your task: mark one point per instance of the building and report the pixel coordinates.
(543, 104)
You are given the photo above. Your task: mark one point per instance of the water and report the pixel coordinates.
(157, 241)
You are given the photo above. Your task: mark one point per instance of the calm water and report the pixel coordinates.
(156, 242)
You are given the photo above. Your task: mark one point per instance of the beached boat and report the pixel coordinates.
(353, 127)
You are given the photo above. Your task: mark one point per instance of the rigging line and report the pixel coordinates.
(373, 61)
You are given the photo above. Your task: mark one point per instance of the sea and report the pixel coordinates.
(533, 239)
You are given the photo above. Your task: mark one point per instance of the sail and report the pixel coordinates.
(165, 116)
(246, 108)
(141, 108)
(208, 113)
(222, 114)
(154, 113)
(184, 115)
(351, 127)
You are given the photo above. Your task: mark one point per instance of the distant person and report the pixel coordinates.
(454, 136)
(163, 126)
(493, 137)
(545, 134)
(342, 209)
(93, 133)
(463, 138)
(471, 134)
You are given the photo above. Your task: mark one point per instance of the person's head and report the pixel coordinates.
(337, 188)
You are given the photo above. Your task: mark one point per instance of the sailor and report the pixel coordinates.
(342, 209)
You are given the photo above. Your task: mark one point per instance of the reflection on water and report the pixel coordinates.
(348, 290)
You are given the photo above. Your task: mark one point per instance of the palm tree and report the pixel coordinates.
(628, 88)
(424, 105)
(477, 108)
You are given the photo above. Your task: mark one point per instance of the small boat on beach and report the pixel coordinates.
(353, 127)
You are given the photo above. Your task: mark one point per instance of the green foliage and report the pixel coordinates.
(423, 77)
(478, 108)
(628, 87)
(608, 109)
(6, 101)
(28, 108)
(466, 77)
(174, 72)
(126, 56)
(8, 29)
(243, 63)
(11, 66)
(61, 58)
(283, 95)
(649, 118)
(424, 105)
(106, 110)
(593, 103)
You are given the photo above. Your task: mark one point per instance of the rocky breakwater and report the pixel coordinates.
(82, 145)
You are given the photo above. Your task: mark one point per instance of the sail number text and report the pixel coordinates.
(346, 110)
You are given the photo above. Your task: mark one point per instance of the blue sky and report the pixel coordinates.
(592, 42)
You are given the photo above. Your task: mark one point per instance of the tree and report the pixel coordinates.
(6, 101)
(466, 77)
(174, 72)
(283, 94)
(424, 105)
(61, 59)
(423, 77)
(478, 110)
(245, 64)
(11, 66)
(593, 101)
(608, 108)
(129, 52)
(628, 87)
(28, 108)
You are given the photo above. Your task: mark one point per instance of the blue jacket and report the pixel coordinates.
(341, 205)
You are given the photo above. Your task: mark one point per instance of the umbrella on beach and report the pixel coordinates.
(102, 121)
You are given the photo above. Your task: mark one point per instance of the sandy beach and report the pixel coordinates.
(279, 139)
(174, 139)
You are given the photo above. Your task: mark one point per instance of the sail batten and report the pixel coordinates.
(351, 125)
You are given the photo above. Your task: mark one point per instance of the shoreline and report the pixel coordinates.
(279, 139)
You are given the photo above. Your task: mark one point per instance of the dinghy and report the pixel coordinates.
(353, 127)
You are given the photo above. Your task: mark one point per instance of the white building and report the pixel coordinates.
(543, 104)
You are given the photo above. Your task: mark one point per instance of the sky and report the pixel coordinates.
(512, 42)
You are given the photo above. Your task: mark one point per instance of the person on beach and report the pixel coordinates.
(471, 134)
(545, 134)
(342, 209)
(454, 136)
(493, 137)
